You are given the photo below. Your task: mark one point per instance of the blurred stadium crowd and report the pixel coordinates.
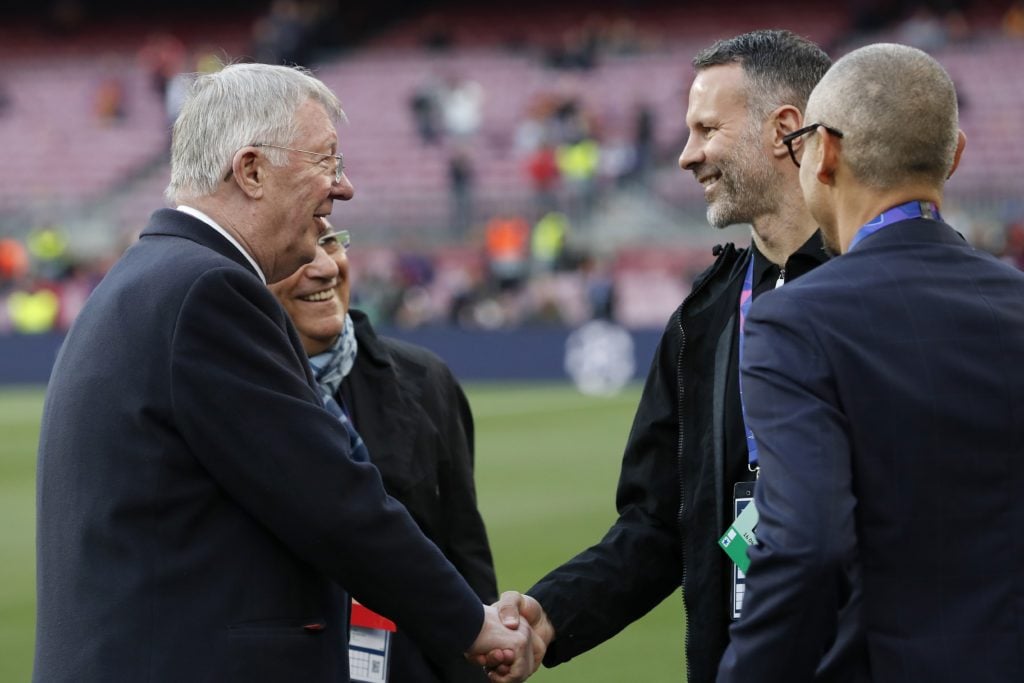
(511, 167)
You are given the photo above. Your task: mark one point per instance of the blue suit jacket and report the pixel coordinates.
(886, 393)
(197, 511)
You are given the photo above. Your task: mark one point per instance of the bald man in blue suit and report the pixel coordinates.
(886, 393)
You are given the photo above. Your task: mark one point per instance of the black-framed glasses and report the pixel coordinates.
(334, 240)
(339, 159)
(788, 139)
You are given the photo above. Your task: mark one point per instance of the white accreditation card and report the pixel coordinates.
(369, 646)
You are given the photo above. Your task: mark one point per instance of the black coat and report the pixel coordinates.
(418, 428)
(197, 507)
(674, 495)
(671, 496)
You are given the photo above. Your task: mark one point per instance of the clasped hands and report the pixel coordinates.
(515, 635)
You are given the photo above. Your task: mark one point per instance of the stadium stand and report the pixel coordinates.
(85, 134)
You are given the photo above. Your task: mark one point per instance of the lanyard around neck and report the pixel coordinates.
(903, 212)
(746, 298)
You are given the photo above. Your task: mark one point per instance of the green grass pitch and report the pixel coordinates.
(547, 462)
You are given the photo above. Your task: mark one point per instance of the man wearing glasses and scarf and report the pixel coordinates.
(413, 422)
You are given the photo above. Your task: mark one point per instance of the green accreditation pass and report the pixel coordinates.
(740, 536)
(737, 538)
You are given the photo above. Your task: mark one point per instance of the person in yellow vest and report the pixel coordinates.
(578, 163)
(33, 312)
(548, 240)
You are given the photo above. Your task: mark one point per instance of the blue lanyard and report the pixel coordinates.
(746, 298)
(914, 209)
(903, 212)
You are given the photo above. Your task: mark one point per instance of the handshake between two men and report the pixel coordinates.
(531, 633)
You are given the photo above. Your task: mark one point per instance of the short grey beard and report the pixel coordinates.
(758, 194)
(721, 215)
(757, 200)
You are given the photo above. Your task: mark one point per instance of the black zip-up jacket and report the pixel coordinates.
(685, 452)
(417, 425)
(673, 499)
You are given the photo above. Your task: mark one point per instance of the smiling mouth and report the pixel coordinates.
(325, 295)
(709, 180)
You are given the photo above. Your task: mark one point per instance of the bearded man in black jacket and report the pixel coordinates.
(687, 448)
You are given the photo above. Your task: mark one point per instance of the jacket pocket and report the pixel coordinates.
(284, 650)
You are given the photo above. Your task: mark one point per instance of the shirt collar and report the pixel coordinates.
(196, 213)
(810, 254)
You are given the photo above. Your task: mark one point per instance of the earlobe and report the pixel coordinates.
(961, 142)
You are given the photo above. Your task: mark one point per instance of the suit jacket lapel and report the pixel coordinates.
(173, 223)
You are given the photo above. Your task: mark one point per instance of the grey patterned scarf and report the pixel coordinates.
(331, 366)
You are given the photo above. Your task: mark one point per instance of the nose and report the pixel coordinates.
(693, 153)
(322, 267)
(343, 189)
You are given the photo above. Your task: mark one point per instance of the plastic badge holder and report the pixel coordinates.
(369, 646)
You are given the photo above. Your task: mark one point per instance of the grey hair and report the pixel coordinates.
(897, 109)
(240, 105)
(780, 67)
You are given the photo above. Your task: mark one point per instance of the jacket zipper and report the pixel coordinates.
(679, 461)
(782, 277)
(682, 502)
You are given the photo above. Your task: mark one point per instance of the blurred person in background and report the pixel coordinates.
(886, 396)
(688, 447)
(1013, 20)
(461, 182)
(200, 515)
(425, 107)
(14, 261)
(1013, 248)
(461, 103)
(415, 422)
(162, 56)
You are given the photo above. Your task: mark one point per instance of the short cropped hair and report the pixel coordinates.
(240, 105)
(781, 68)
(897, 109)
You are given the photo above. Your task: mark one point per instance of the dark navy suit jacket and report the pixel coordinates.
(197, 513)
(886, 393)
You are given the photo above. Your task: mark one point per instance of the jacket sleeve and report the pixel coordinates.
(806, 544)
(467, 546)
(241, 396)
(638, 563)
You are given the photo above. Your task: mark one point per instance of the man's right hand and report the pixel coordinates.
(504, 650)
(512, 608)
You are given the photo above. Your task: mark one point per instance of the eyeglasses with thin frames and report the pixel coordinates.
(788, 139)
(339, 159)
(334, 240)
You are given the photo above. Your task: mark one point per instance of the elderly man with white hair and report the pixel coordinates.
(202, 517)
